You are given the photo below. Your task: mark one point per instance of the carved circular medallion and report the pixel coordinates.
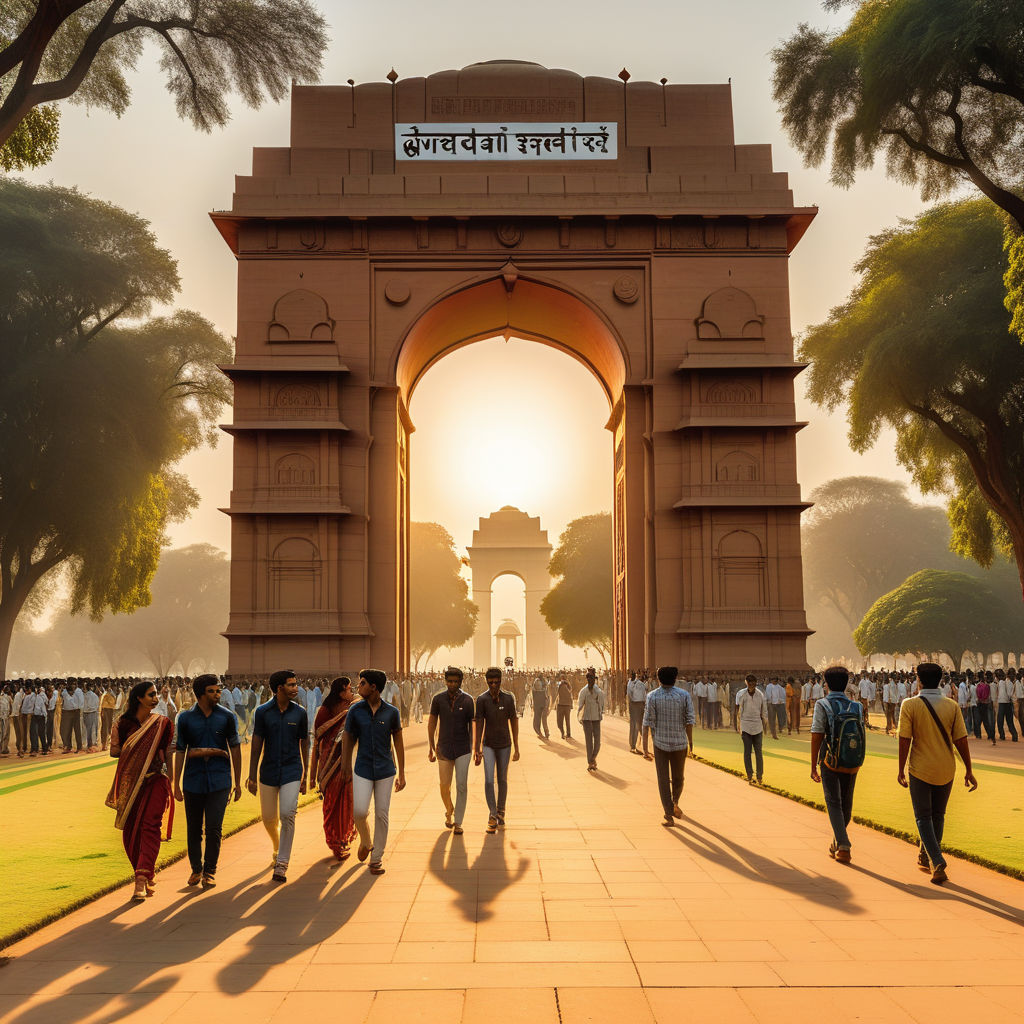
(509, 235)
(627, 289)
(397, 291)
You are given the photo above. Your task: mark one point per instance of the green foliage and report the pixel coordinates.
(83, 49)
(440, 611)
(33, 142)
(922, 347)
(579, 605)
(97, 404)
(940, 611)
(934, 86)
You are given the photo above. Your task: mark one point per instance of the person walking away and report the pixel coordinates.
(325, 768)
(208, 751)
(930, 728)
(392, 694)
(636, 698)
(279, 758)
(452, 719)
(984, 696)
(373, 726)
(866, 694)
(141, 792)
(590, 708)
(668, 722)
(838, 746)
(752, 715)
(497, 742)
(539, 698)
(713, 708)
(563, 710)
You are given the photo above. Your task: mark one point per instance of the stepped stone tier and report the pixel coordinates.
(618, 221)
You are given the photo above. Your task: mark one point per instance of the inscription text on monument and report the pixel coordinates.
(560, 140)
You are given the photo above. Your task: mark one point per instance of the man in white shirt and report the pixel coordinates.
(91, 718)
(776, 694)
(866, 694)
(636, 697)
(817, 692)
(590, 706)
(1018, 694)
(38, 726)
(72, 700)
(6, 705)
(1004, 704)
(753, 717)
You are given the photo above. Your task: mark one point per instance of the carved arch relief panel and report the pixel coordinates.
(730, 313)
(301, 315)
(732, 391)
(295, 470)
(297, 397)
(737, 467)
(295, 575)
(741, 571)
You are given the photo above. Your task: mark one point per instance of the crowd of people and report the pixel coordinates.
(179, 740)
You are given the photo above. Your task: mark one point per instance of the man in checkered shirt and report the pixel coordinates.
(669, 716)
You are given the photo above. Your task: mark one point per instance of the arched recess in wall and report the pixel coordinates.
(741, 577)
(295, 572)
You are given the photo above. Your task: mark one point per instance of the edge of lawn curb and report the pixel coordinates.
(10, 938)
(896, 833)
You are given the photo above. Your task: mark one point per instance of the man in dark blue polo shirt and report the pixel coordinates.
(280, 733)
(208, 750)
(373, 726)
(454, 711)
(497, 742)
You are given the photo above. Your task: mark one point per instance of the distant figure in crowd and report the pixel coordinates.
(141, 791)
(930, 727)
(668, 719)
(752, 715)
(108, 705)
(563, 710)
(392, 694)
(327, 762)
(1004, 702)
(793, 705)
(775, 693)
(837, 744)
(91, 717)
(280, 752)
(539, 697)
(373, 726)
(453, 719)
(497, 741)
(72, 700)
(207, 749)
(636, 699)
(590, 708)
(6, 706)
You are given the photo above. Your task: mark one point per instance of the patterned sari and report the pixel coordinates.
(339, 825)
(141, 793)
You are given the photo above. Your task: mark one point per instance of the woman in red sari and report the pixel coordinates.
(339, 827)
(141, 793)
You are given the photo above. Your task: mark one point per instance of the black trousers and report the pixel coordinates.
(562, 715)
(670, 765)
(205, 811)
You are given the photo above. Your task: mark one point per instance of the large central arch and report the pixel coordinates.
(654, 251)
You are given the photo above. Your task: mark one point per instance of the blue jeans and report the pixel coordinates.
(496, 758)
(930, 813)
(592, 734)
(838, 789)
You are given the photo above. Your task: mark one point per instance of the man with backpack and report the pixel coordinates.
(837, 743)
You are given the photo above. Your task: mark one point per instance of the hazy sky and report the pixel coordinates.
(151, 163)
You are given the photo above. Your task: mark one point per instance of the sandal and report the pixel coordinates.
(376, 868)
(457, 830)
(139, 895)
(363, 852)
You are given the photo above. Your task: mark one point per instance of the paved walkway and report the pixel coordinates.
(585, 910)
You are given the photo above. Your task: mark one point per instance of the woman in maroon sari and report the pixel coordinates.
(339, 827)
(141, 793)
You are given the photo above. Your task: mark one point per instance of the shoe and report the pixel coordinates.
(456, 830)
(832, 849)
(209, 882)
(363, 852)
(492, 826)
(194, 878)
(676, 811)
(923, 863)
(669, 822)
(448, 821)
(939, 876)
(842, 856)
(376, 868)
(278, 876)
(139, 895)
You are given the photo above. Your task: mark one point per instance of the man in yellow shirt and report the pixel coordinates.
(930, 727)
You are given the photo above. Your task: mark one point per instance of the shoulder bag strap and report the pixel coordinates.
(935, 718)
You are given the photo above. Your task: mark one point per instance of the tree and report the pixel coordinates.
(81, 50)
(921, 346)
(97, 403)
(936, 86)
(440, 611)
(949, 612)
(33, 142)
(579, 606)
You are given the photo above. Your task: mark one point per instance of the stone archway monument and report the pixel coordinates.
(618, 221)
(510, 541)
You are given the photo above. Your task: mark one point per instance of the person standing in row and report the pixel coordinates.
(793, 705)
(108, 705)
(590, 708)
(91, 718)
(563, 709)
(373, 726)
(453, 718)
(775, 693)
(636, 698)
(752, 717)
(326, 774)
(930, 728)
(280, 756)
(207, 750)
(669, 718)
(497, 742)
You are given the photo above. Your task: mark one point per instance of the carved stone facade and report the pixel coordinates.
(663, 270)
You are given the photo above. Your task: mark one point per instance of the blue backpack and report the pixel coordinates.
(845, 737)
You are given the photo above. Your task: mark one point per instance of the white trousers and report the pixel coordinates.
(278, 805)
(380, 790)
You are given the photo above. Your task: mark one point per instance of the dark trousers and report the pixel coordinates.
(1006, 717)
(777, 719)
(562, 716)
(106, 724)
(636, 722)
(37, 731)
(592, 734)
(929, 804)
(205, 811)
(71, 725)
(838, 789)
(986, 717)
(540, 718)
(752, 742)
(49, 728)
(670, 765)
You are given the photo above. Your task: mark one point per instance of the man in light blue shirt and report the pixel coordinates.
(669, 715)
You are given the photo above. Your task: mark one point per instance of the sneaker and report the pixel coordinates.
(194, 878)
(922, 861)
(278, 875)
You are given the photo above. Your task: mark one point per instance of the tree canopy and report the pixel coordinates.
(940, 611)
(934, 86)
(440, 611)
(82, 50)
(922, 346)
(97, 403)
(579, 606)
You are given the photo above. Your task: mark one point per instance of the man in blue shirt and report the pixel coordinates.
(280, 734)
(207, 739)
(669, 717)
(373, 726)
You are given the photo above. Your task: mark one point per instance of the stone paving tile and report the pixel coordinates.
(837, 1005)
(664, 951)
(244, 1008)
(603, 1006)
(931, 1004)
(312, 1006)
(705, 975)
(518, 1006)
(549, 952)
(720, 1005)
(412, 1007)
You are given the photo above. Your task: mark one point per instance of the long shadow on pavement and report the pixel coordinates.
(475, 885)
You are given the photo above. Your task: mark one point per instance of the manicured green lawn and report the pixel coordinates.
(988, 823)
(60, 847)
